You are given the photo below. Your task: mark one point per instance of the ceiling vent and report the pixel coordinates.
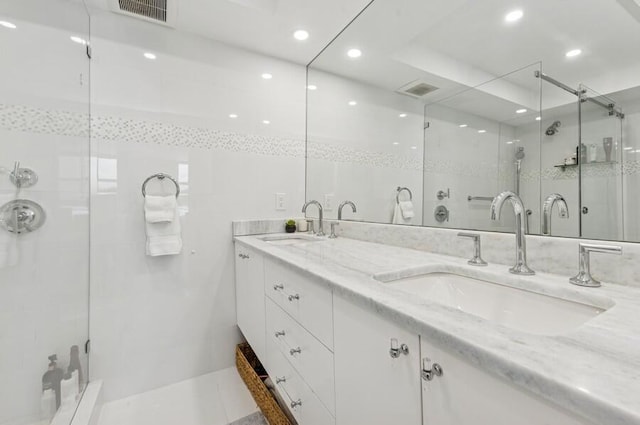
(158, 11)
(417, 89)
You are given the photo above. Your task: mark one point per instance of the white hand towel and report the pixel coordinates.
(164, 238)
(397, 216)
(406, 207)
(158, 209)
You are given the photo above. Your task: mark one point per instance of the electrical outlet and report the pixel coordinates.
(328, 202)
(280, 202)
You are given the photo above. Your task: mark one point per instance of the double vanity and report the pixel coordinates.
(357, 332)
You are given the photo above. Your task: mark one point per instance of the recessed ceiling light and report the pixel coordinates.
(354, 53)
(8, 25)
(403, 115)
(414, 147)
(482, 131)
(521, 111)
(301, 35)
(267, 76)
(233, 116)
(462, 125)
(312, 87)
(510, 142)
(266, 122)
(149, 56)
(573, 53)
(538, 118)
(78, 40)
(513, 16)
(352, 103)
(628, 148)
(396, 143)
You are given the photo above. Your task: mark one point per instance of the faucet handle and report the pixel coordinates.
(477, 256)
(333, 230)
(584, 278)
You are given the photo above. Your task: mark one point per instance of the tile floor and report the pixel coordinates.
(218, 398)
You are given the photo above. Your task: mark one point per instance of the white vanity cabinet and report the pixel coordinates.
(250, 308)
(374, 385)
(466, 395)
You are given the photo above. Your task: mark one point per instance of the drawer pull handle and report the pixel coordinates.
(279, 334)
(279, 380)
(278, 287)
(296, 403)
(294, 297)
(295, 351)
(429, 373)
(395, 351)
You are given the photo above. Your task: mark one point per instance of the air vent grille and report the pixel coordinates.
(152, 9)
(417, 89)
(420, 89)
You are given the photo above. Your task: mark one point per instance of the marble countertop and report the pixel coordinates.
(592, 370)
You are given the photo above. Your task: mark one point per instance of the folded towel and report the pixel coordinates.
(158, 209)
(397, 216)
(164, 238)
(406, 207)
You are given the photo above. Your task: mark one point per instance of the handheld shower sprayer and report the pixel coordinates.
(553, 128)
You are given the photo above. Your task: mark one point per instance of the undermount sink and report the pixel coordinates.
(289, 239)
(514, 308)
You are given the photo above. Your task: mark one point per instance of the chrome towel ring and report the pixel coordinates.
(400, 189)
(160, 176)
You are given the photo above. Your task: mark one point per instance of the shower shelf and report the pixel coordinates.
(563, 166)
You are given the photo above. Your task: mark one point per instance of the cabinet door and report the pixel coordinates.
(372, 387)
(466, 395)
(250, 309)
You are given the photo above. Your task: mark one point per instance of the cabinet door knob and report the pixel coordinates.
(279, 380)
(294, 297)
(396, 349)
(429, 371)
(278, 287)
(296, 403)
(295, 351)
(279, 334)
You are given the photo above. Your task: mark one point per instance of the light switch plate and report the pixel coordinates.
(328, 202)
(281, 204)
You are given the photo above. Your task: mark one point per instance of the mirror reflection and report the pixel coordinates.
(422, 112)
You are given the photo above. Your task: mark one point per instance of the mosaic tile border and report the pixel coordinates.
(116, 129)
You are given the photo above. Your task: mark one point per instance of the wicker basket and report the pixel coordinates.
(247, 364)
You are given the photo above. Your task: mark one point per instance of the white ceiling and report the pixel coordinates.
(264, 26)
(457, 44)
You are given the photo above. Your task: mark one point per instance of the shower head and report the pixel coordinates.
(520, 153)
(553, 128)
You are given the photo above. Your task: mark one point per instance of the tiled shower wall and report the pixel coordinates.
(160, 320)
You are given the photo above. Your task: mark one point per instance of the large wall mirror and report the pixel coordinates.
(421, 112)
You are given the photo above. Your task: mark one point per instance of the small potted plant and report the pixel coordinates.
(290, 226)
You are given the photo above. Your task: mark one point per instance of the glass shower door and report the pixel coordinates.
(44, 209)
(600, 166)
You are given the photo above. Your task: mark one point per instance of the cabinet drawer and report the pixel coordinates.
(307, 302)
(293, 389)
(311, 359)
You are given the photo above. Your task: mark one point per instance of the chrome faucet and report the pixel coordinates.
(563, 211)
(521, 248)
(477, 256)
(304, 210)
(353, 208)
(583, 278)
